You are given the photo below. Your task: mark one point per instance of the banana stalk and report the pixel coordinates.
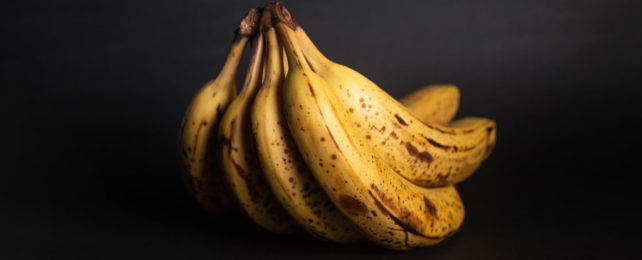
(196, 139)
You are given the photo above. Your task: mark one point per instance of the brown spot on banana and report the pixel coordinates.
(438, 145)
(432, 210)
(385, 199)
(352, 205)
(196, 136)
(401, 120)
(254, 195)
(310, 87)
(333, 140)
(226, 142)
(380, 130)
(403, 214)
(422, 156)
(453, 148)
(405, 227)
(232, 126)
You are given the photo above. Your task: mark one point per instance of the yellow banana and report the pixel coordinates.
(285, 171)
(427, 154)
(433, 104)
(239, 159)
(388, 209)
(196, 141)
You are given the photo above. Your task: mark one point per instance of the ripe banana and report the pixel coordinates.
(427, 154)
(239, 158)
(285, 171)
(387, 208)
(196, 141)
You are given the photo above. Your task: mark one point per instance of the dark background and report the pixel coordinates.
(95, 91)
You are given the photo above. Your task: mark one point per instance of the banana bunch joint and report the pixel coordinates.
(312, 146)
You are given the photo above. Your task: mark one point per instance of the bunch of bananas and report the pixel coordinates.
(312, 145)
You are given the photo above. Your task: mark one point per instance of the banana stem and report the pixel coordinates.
(315, 58)
(246, 29)
(254, 70)
(234, 56)
(286, 30)
(274, 65)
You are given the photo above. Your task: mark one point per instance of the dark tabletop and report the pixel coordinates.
(94, 92)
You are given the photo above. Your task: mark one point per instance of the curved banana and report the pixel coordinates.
(287, 174)
(239, 159)
(388, 209)
(426, 154)
(436, 104)
(196, 138)
(284, 169)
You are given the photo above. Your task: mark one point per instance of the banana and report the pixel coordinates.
(284, 169)
(388, 209)
(239, 158)
(427, 154)
(196, 139)
(435, 104)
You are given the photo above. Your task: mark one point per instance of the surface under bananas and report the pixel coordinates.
(313, 146)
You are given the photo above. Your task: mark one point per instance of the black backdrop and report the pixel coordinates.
(95, 91)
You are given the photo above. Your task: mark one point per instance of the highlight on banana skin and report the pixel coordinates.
(312, 147)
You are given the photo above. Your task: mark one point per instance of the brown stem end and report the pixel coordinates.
(249, 24)
(281, 14)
